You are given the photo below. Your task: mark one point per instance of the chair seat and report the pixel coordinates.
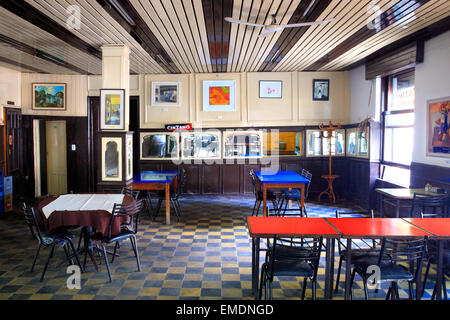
(361, 254)
(293, 268)
(285, 251)
(124, 234)
(62, 235)
(293, 194)
(388, 270)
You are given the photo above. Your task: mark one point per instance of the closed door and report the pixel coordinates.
(55, 132)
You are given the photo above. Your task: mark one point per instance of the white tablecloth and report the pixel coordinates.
(83, 202)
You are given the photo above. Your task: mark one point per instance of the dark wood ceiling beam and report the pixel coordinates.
(387, 18)
(141, 33)
(29, 13)
(40, 54)
(218, 31)
(289, 37)
(21, 65)
(423, 34)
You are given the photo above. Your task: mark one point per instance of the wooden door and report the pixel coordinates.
(55, 132)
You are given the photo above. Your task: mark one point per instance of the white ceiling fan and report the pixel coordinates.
(273, 27)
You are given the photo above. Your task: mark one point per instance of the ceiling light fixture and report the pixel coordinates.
(122, 12)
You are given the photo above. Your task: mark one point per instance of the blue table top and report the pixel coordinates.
(154, 176)
(280, 177)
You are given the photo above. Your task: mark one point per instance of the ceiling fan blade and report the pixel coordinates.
(232, 20)
(268, 31)
(305, 24)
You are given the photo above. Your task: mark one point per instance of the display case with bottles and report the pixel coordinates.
(337, 143)
(284, 144)
(159, 145)
(351, 142)
(358, 143)
(242, 144)
(201, 145)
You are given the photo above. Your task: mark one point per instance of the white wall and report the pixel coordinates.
(432, 81)
(360, 108)
(10, 87)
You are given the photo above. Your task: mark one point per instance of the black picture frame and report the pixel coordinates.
(321, 90)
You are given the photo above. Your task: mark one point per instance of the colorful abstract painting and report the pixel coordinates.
(112, 109)
(165, 94)
(439, 127)
(219, 95)
(48, 96)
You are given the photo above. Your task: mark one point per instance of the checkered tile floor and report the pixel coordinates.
(206, 255)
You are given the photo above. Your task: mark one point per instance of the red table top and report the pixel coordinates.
(376, 228)
(264, 227)
(438, 227)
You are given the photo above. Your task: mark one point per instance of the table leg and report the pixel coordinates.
(88, 247)
(439, 270)
(381, 206)
(397, 210)
(348, 265)
(167, 203)
(255, 266)
(264, 200)
(329, 268)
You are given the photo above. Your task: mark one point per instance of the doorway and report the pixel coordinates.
(50, 149)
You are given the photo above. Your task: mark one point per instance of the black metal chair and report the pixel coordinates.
(430, 206)
(432, 259)
(62, 238)
(174, 195)
(278, 263)
(296, 196)
(271, 196)
(128, 230)
(392, 257)
(130, 192)
(368, 247)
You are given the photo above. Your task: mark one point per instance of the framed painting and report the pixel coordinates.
(321, 89)
(270, 89)
(49, 96)
(219, 95)
(165, 94)
(112, 109)
(438, 131)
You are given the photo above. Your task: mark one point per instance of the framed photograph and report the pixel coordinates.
(438, 129)
(270, 89)
(321, 89)
(219, 95)
(49, 96)
(112, 109)
(165, 94)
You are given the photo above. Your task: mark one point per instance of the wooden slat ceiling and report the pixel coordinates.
(191, 36)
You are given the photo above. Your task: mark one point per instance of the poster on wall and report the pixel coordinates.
(165, 94)
(438, 133)
(49, 96)
(112, 109)
(270, 89)
(219, 95)
(321, 90)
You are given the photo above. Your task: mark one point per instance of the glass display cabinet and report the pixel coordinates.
(313, 143)
(357, 143)
(159, 145)
(351, 142)
(115, 161)
(337, 143)
(201, 145)
(242, 144)
(283, 143)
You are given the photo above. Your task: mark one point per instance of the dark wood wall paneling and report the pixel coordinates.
(387, 18)
(77, 161)
(422, 173)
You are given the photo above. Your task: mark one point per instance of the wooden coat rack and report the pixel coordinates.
(330, 177)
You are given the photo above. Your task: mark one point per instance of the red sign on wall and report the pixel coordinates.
(179, 127)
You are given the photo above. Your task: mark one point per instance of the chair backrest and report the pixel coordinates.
(254, 184)
(130, 210)
(31, 221)
(312, 255)
(429, 205)
(130, 192)
(403, 250)
(181, 182)
(368, 242)
(308, 175)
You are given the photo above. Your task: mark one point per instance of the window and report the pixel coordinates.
(317, 143)
(282, 143)
(159, 145)
(201, 145)
(398, 133)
